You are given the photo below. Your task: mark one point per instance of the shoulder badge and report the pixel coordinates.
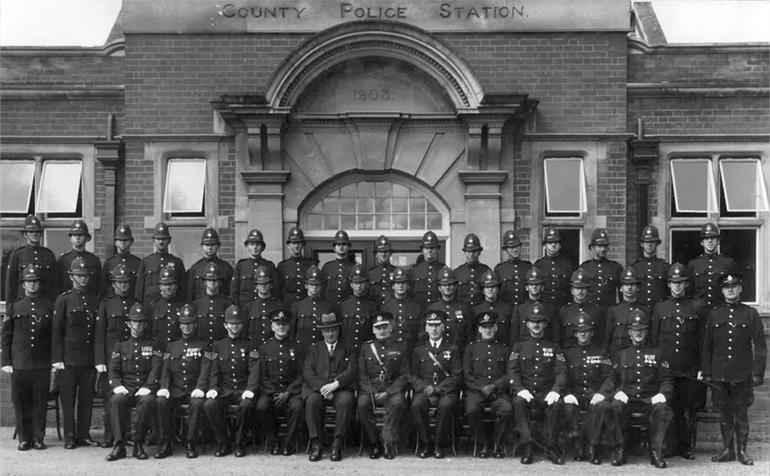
(210, 355)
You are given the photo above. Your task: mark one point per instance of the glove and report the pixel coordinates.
(552, 397)
(58, 365)
(120, 390)
(621, 396)
(101, 368)
(757, 380)
(163, 393)
(7, 369)
(488, 390)
(658, 398)
(526, 395)
(598, 397)
(211, 394)
(197, 393)
(142, 392)
(247, 394)
(381, 397)
(700, 375)
(570, 400)
(429, 390)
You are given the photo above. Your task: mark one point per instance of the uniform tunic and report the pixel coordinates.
(652, 273)
(407, 325)
(280, 371)
(484, 364)
(337, 273)
(164, 326)
(131, 263)
(557, 272)
(512, 274)
(617, 325)
(459, 324)
(307, 314)
(705, 271)
(148, 274)
(45, 263)
(604, 276)
(381, 282)
(444, 376)
(291, 279)
(469, 279)
(259, 310)
(589, 371)
(196, 285)
(504, 319)
(424, 282)
(243, 288)
(93, 265)
(211, 317)
(519, 330)
(356, 313)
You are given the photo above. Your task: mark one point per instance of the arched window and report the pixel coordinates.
(375, 206)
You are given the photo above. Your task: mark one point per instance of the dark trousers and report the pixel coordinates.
(267, 411)
(659, 415)
(689, 397)
(314, 408)
(391, 422)
(76, 385)
(167, 410)
(121, 415)
(474, 411)
(733, 401)
(216, 411)
(590, 429)
(527, 414)
(445, 406)
(106, 391)
(29, 393)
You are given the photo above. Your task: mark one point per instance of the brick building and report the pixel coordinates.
(391, 118)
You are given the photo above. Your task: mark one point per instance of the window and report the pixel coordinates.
(185, 188)
(743, 191)
(372, 206)
(41, 186)
(692, 182)
(565, 187)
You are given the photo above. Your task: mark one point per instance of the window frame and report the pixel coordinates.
(583, 188)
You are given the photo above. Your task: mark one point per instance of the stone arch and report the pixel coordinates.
(374, 38)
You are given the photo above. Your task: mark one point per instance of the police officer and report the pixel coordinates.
(211, 307)
(619, 316)
(519, 331)
(556, 270)
(259, 309)
(486, 384)
(111, 328)
(79, 236)
(184, 377)
(123, 239)
(406, 312)
(469, 274)
(280, 383)
(568, 315)
(32, 253)
(337, 271)
(196, 288)
(643, 384)
(150, 266)
(677, 325)
(604, 274)
(356, 312)
(134, 372)
(291, 271)
(307, 312)
(538, 376)
(246, 273)
(424, 276)
(706, 269)
(234, 380)
(512, 272)
(650, 269)
(458, 325)
(589, 381)
(733, 358)
(73, 334)
(436, 373)
(492, 303)
(383, 375)
(381, 274)
(25, 354)
(328, 377)
(164, 310)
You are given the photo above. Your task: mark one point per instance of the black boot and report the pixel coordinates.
(727, 453)
(688, 449)
(526, 456)
(139, 452)
(118, 452)
(593, 454)
(164, 451)
(190, 451)
(656, 459)
(580, 449)
(618, 456)
(743, 457)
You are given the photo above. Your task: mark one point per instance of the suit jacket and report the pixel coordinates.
(319, 368)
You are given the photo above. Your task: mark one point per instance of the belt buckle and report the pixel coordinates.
(382, 376)
(435, 378)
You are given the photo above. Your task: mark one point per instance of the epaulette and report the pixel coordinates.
(66, 292)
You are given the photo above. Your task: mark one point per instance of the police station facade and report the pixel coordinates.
(391, 118)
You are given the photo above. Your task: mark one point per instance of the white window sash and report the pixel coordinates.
(17, 178)
(549, 169)
(59, 186)
(185, 186)
(711, 201)
(733, 186)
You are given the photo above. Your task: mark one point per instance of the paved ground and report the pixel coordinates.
(91, 461)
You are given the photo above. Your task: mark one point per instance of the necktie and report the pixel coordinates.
(435, 346)
(331, 349)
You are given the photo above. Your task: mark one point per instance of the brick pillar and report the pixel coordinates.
(109, 154)
(482, 209)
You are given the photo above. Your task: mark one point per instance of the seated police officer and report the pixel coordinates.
(538, 376)
(134, 371)
(280, 382)
(589, 380)
(185, 374)
(486, 383)
(383, 374)
(436, 375)
(642, 384)
(329, 376)
(233, 380)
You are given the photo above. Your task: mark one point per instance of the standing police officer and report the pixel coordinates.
(569, 314)
(459, 321)
(604, 274)
(259, 310)
(512, 272)
(381, 274)
(150, 266)
(123, 240)
(406, 312)
(291, 271)
(733, 358)
(36, 254)
(246, 273)
(424, 276)
(307, 312)
(164, 310)
(706, 269)
(196, 288)
(493, 303)
(519, 332)
(650, 269)
(556, 270)
(79, 236)
(337, 271)
(469, 274)
(25, 354)
(356, 312)
(211, 307)
(619, 316)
